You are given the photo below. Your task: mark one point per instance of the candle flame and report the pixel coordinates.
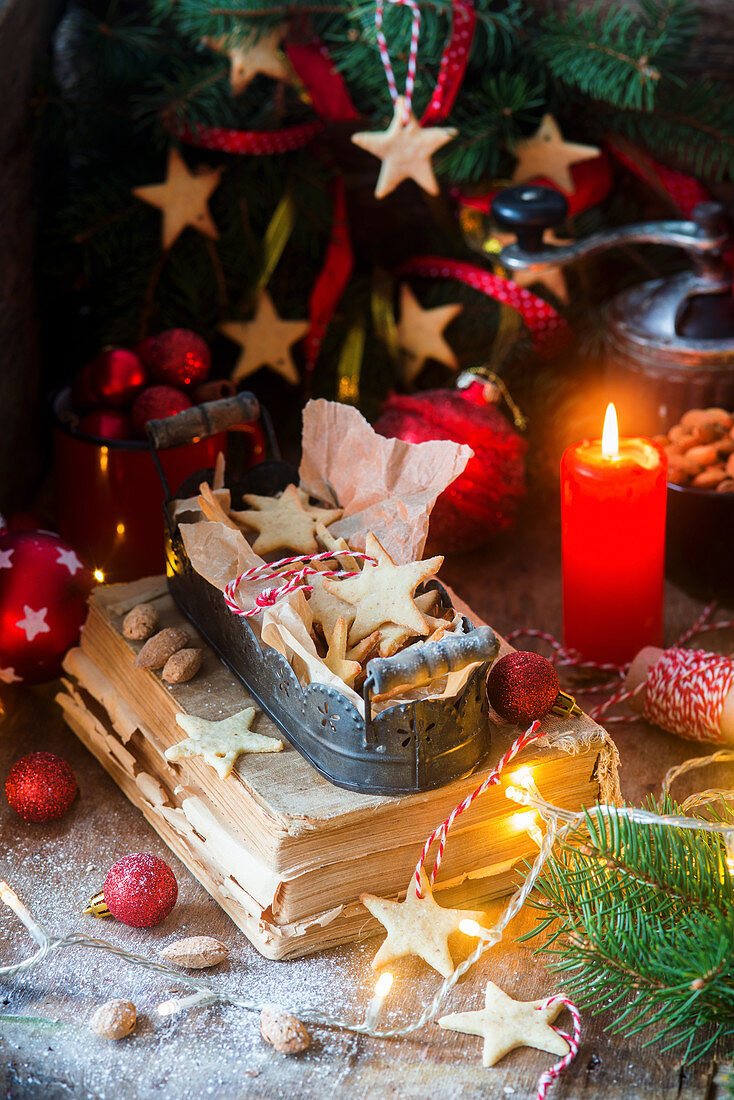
(610, 435)
(383, 985)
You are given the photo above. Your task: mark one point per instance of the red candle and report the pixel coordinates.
(613, 496)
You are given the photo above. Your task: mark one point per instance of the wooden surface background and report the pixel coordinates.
(47, 1050)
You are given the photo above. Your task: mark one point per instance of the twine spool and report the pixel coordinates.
(687, 692)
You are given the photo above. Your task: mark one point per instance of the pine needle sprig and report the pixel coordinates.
(639, 919)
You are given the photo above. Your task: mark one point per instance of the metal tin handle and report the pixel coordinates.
(424, 661)
(201, 421)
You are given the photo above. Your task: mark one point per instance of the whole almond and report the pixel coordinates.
(720, 416)
(161, 646)
(725, 446)
(677, 476)
(195, 952)
(694, 418)
(726, 486)
(114, 1019)
(682, 437)
(710, 478)
(704, 454)
(182, 665)
(283, 1031)
(140, 623)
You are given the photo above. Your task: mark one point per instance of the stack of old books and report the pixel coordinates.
(282, 850)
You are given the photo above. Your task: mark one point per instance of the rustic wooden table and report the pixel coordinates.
(47, 1050)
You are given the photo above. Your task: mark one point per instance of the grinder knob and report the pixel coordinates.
(527, 211)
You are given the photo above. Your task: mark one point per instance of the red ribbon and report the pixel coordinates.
(453, 62)
(548, 330)
(332, 279)
(329, 94)
(249, 142)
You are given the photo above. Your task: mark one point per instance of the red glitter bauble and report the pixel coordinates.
(140, 890)
(482, 500)
(43, 603)
(522, 687)
(156, 403)
(106, 424)
(177, 357)
(116, 376)
(40, 786)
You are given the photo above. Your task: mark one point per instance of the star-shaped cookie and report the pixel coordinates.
(548, 156)
(383, 593)
(285, 524)
(405, 150)
(183, 197)
(420, 333)
(259, 56)
(335, 659)
(266, 341)
(326, 608)
(220, 743)
(417, 926)
(505, 1024)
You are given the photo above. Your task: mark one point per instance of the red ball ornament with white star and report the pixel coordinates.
(40, 786)
(140, 890)
(43, 603)
(176, 357)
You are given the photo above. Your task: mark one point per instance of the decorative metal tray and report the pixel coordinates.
(399, 750)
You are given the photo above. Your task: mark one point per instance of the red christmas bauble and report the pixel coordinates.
(107, 424)
(43, 603)
(40, 786)
(483, 499)
(140, 890)
(177, 357)
(156, 403)
(116, 376)
(522, 687)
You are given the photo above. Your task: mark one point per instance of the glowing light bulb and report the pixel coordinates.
(523, 776)
(610, 434)
(383, 985)
(470, 928)
(99, 576)
(523, 820)
(516, 794)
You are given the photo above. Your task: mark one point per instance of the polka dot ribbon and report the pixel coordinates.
(546, 1079)
(249, 142)
(453, 63)
(549, 331)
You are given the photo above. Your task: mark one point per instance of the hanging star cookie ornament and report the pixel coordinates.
(266, 341)
(285, 524)
(220, 743)
(183, 198)
(417, 926)
(258, 56)
(546, 155)
(505, 1024)
(405, 150)
(420, 334)
(383, 593)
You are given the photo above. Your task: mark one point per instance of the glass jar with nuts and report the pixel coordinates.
(700, 450)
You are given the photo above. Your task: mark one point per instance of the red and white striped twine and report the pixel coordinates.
(295, 579)
(686, 690)
(546, 1079)
(531, 734)
(412, 53)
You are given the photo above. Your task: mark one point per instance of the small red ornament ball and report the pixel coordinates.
(177, 357)
(156, 403)
(140, 890)
(43, 603)
(40, 786)
(106, 424)
(522, 687)
(117, 374)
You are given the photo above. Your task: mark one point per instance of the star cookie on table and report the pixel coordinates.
(417, 926)
(420, 333)
(260, 56)
(383, 593)
(546, 155)
(505, 1024)
(286, 525)
(335, 659)
(405, 150)
(266, 341)
(183, 197)
(220, 743)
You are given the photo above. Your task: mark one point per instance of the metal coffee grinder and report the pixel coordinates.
(670, 342)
